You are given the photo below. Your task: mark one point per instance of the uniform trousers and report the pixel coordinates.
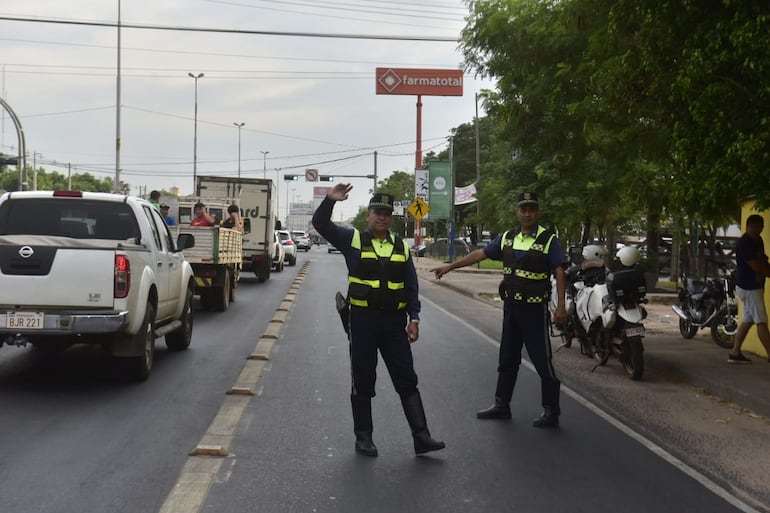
(526, 325)
(377, 330)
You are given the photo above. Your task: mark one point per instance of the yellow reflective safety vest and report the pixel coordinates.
(375, 284)
(526, 278)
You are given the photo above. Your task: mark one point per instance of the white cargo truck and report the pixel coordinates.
(255, 198)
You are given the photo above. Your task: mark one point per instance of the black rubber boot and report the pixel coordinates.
(415, 415)
(502, 407)
(551, 411)
(362, 425)
(548, 419)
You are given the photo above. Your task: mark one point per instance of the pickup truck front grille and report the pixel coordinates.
(12, 262)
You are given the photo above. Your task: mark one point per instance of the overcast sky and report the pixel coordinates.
(309, 102)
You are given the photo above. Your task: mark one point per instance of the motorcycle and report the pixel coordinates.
(566, 332)
(709, 303)
(610, 314)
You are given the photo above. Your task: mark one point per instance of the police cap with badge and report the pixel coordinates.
(381, 200)
(527, 198)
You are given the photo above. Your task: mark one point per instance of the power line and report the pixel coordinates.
(138, 26)
(349, 8)
(210, 54)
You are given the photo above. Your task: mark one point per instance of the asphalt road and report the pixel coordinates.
(76, 439)
(294, 450)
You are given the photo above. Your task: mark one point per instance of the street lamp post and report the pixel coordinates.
(239, 125)
(195, 134)
(264, 163)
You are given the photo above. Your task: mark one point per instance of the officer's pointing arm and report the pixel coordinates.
(475, 256)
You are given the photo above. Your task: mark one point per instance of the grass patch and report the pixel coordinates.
(490, 264)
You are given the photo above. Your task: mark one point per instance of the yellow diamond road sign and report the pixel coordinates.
(418, 208)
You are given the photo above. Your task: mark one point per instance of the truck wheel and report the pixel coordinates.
(233, 290)
(223, 293)
(138, 367)
(207, 299)
(264, 274)
(179, 339)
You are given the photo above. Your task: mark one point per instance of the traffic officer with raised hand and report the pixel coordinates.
(384, 314)
(530, 254)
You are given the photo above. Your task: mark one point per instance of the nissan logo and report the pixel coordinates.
(26, 252)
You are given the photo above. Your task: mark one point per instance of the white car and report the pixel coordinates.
(289, 246)
(279, 255)
(301, 240)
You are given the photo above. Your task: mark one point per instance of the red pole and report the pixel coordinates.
(418, 165)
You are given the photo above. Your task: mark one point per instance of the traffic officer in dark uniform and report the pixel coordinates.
(530, 254)
(384, 314)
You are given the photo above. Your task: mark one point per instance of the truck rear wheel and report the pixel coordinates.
(263, 271)
(234, 285)
(223, 293)
(179, 339)
(138, 368)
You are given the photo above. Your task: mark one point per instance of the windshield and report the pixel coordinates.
(66, 217)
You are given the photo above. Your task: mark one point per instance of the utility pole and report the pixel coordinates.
(117, 115)
(264, 163)
(478, 173)
(195, 132)
(239, 125)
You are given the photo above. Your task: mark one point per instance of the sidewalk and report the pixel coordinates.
(698, 362)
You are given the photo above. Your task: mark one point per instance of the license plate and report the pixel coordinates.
(635, 331)
(24, 320)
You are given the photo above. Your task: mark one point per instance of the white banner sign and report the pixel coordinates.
(464, 195)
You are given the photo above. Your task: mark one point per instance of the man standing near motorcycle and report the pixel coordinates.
(752, 270)
(530, 254)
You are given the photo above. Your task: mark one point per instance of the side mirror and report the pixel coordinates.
(247, 225)
(184, 241)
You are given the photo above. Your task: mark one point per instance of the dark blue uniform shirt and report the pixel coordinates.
(341, 238)
(556, 256)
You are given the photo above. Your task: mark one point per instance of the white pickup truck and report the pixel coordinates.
(95, 268)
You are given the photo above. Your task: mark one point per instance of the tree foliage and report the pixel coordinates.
(623, 113)
(50, 181)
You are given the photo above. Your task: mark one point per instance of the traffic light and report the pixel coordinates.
(326, 178)
(9, 161)
(291, 177)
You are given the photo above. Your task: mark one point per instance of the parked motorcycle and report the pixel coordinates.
(566, 332)
(709, 303)
(610, 313)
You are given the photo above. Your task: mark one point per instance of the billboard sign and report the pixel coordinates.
(429, 82)
(440, 196)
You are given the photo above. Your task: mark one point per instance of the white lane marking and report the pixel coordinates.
(710, 485)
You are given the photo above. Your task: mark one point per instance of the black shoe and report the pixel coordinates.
(496, 411)
(548, 419)
(365, 445)
(424, 443)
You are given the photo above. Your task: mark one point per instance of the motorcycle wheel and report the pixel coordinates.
(724, 327)
(632, 358)
(687, 329)
(600, 348)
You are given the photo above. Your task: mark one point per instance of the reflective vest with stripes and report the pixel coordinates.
(375, 284)
(526, 279)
